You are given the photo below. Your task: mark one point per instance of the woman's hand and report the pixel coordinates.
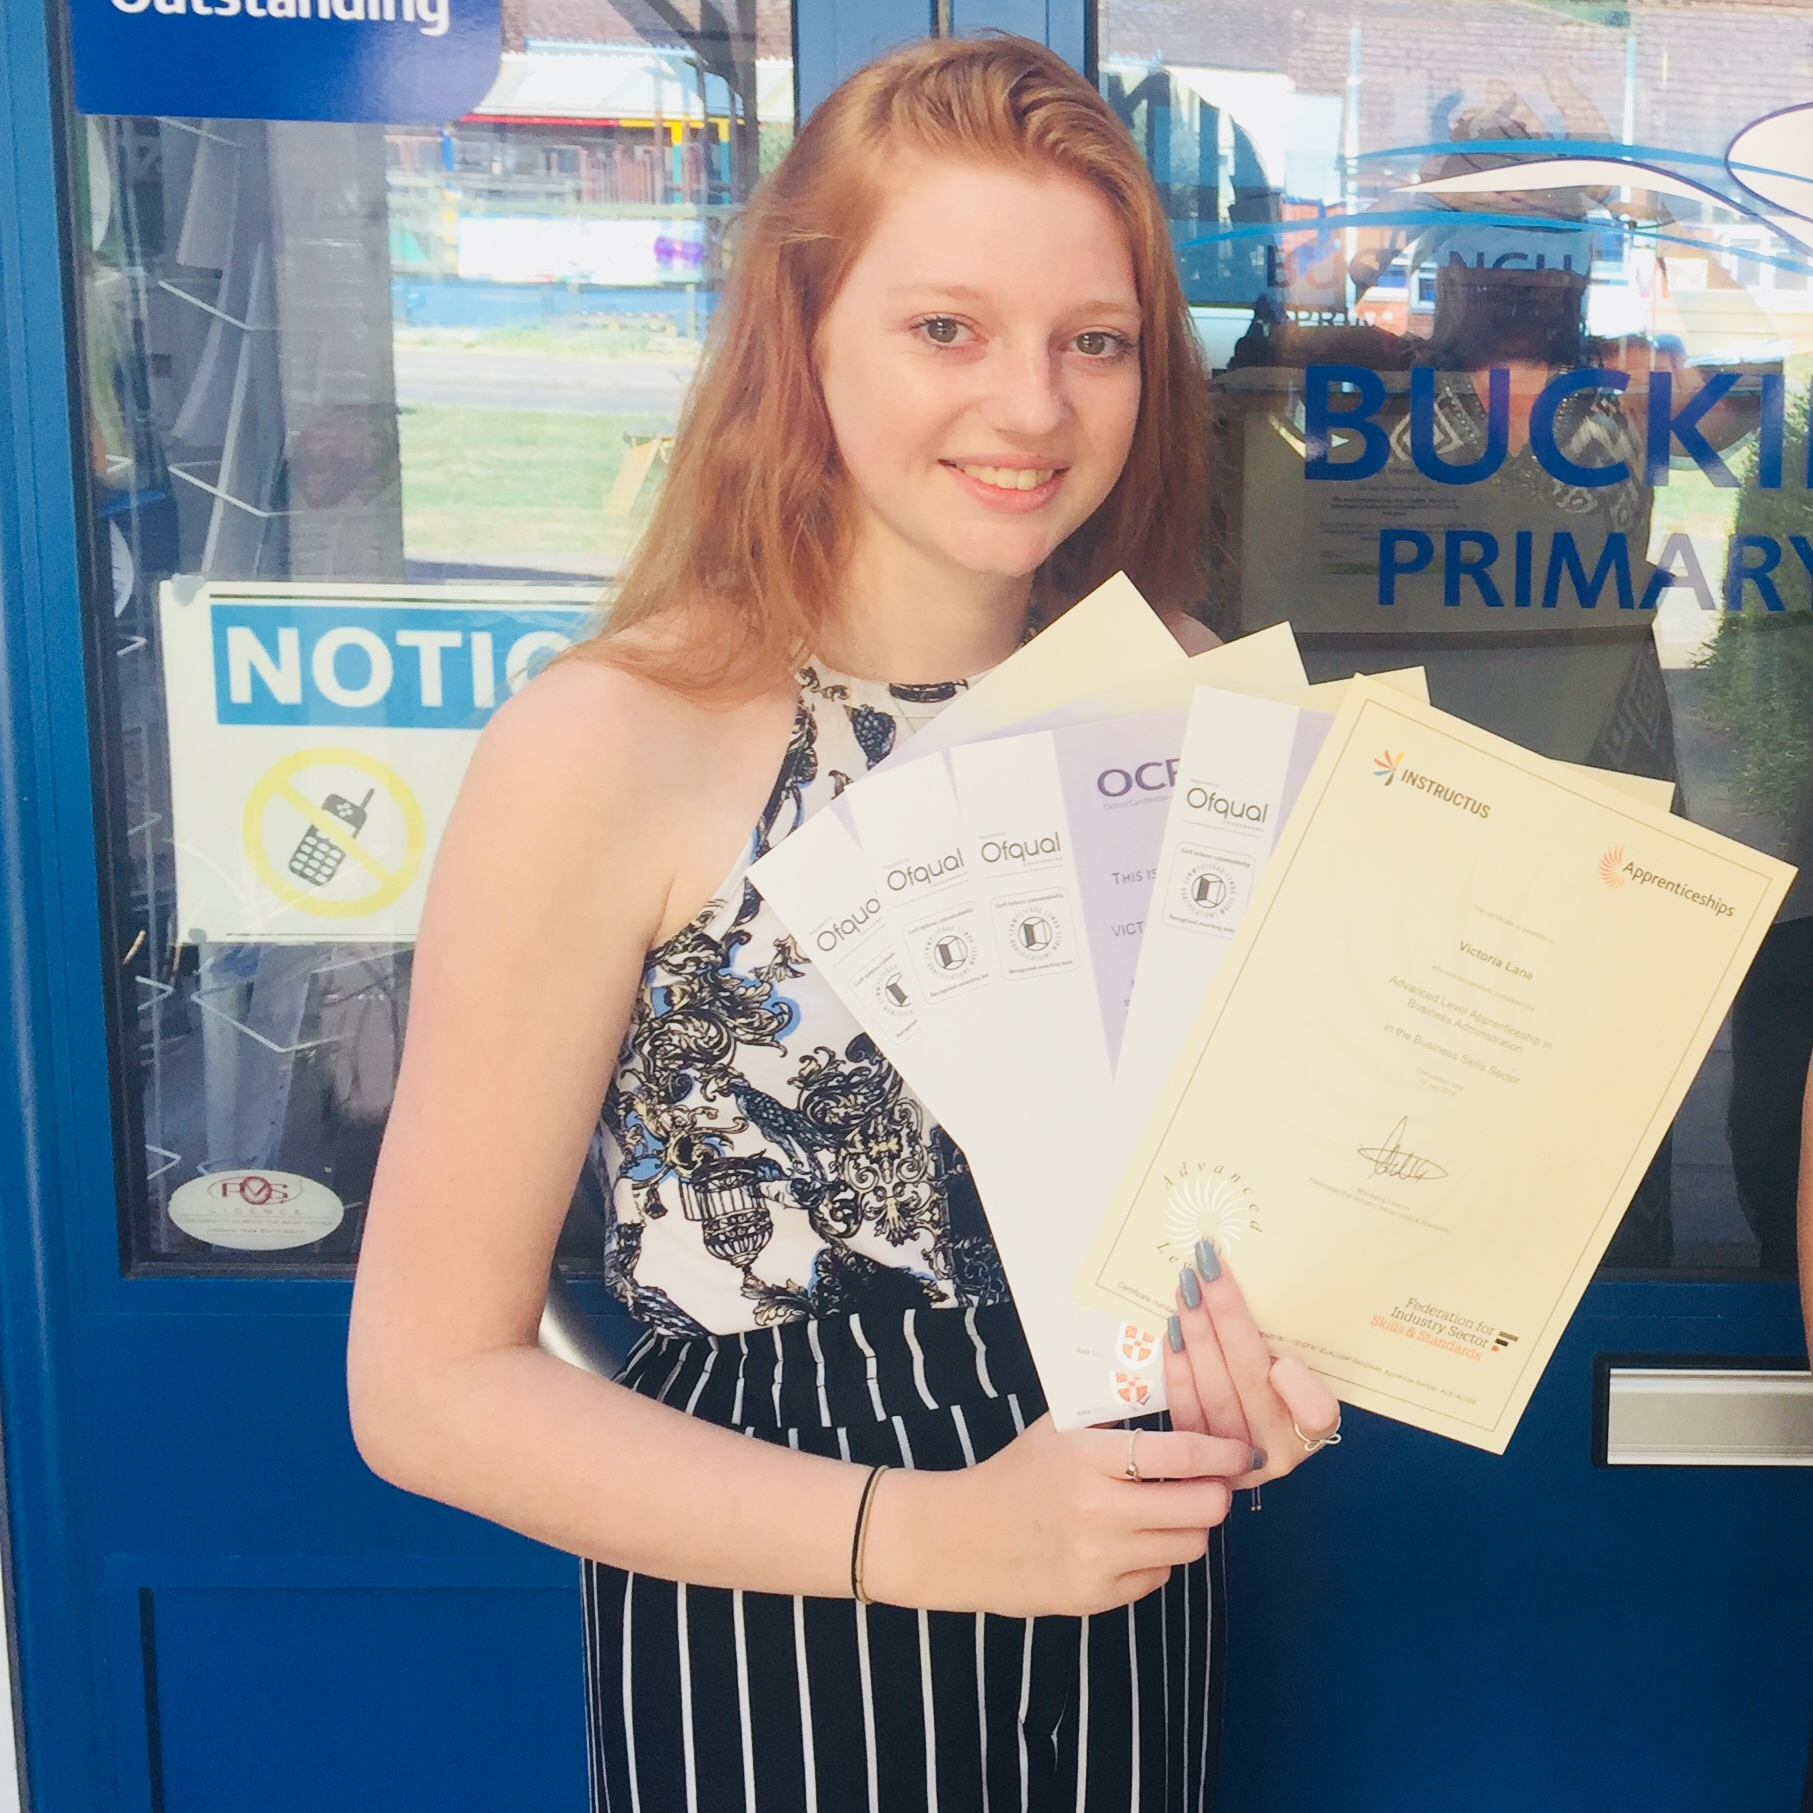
(1221, 1378)
(1052, 1524)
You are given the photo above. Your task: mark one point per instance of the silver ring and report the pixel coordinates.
(1314, 1444)
(1131, 1469)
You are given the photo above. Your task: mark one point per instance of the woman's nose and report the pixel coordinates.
(1026, 395)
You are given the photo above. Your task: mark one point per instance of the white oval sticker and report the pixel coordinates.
(256, 1211)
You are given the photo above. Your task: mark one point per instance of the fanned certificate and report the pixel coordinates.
(1242, 765)
(1470, 992)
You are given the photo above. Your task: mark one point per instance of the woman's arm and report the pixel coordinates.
(596, 816)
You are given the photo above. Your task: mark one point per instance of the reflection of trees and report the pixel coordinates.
(1759, 669)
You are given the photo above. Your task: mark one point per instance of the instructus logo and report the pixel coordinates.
(1611, 867)
(1385, 765)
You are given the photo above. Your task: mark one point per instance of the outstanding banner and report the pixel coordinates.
(389, 62)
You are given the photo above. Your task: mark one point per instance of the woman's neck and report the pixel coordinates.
(906, 618)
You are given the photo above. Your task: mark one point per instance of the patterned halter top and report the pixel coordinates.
(763, 1163)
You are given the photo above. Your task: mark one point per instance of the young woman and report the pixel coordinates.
(952, 386)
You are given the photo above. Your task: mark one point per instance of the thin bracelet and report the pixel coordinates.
(859, 1540)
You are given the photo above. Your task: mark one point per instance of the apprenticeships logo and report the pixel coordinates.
(1616, 872)
(1385, 765)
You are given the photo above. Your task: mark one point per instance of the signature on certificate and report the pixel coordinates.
(1392, 1160)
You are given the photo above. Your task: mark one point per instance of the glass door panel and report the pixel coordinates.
(1510, 314)
(373, 417)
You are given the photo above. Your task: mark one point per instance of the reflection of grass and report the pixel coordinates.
(647, 338)
(1759, 667)
(518, 487)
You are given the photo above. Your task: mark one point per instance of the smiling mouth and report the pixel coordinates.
(1009, 478)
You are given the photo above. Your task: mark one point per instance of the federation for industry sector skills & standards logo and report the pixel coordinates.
(1616, 871)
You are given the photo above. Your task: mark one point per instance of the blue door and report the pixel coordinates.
(320, 436)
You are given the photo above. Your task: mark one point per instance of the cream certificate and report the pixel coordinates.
(1468, 997)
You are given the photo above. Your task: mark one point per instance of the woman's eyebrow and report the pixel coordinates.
(950, 292)
(963, 292)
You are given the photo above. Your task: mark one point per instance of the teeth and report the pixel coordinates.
(1010, 478)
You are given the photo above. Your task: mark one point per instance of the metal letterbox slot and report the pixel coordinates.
(1665, 1416)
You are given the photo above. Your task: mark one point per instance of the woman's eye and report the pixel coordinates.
(941, 330)
(1098, 343)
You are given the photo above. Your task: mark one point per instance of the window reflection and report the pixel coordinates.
(1509, 310)
(323, 355)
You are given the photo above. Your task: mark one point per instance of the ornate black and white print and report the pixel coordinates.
(764, 1163)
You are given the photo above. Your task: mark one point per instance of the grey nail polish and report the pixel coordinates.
(1192, 1291)
(1258, 1460)
(1174, 1334)
(1206, 1262)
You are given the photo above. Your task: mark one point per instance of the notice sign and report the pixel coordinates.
(318, 735)
(393, 62)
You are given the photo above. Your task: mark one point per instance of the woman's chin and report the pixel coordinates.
(1001, 557)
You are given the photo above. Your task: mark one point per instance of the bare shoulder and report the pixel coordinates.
(598, 785)
(591, 730)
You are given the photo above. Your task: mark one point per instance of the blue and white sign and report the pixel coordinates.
(397, 667)
(393, 62)
(318, 737)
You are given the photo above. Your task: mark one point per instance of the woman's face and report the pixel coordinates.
(981, 366)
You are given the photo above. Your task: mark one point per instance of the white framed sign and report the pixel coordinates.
(318, 736)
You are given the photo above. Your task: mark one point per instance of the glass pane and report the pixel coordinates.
(1509, 311)
(374, 415)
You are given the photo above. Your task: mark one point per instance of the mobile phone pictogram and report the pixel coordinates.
(317, 859)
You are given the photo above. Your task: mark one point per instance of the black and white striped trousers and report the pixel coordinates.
(703, 1700)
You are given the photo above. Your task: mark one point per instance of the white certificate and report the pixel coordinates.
(1242, 765)
(1471, 991)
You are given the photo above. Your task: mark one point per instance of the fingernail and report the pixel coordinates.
(1258, 1460)
(1174, 1334)
(1192, 1291)
(1206, 1262)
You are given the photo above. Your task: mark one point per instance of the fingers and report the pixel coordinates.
(1243, 1348)
(1136, 1585)
(1162, 1454)
(1180, 1382)
(1185, 1505)
(1270, 1403)
(1217, 1391)
(1168, 1549)
(1179, 1454)
(1312, 1406)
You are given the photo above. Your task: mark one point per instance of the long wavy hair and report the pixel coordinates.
(742, 558)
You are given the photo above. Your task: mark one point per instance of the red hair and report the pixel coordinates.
(747, 544)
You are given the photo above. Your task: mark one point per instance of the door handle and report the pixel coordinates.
(1706, 1416)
